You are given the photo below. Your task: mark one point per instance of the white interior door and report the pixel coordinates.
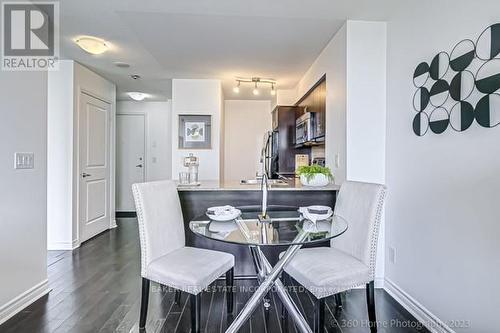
(94, 186)
(130, 158)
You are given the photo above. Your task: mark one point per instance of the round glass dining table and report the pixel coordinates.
(285, 226)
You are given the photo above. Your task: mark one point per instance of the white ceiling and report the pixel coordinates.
(222, 39)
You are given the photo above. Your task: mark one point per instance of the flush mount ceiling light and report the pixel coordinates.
(92, 45)
(255, 81)
(136, 96)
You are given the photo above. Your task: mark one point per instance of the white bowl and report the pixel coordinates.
(318, 180)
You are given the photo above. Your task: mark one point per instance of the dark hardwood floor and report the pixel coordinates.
(96, 288)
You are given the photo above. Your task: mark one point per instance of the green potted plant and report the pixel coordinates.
(314, 175)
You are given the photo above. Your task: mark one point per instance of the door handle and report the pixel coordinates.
(86, 175)
(138, 166)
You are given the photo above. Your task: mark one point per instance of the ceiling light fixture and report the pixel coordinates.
(136, 96)
(256, 81)
(92, 45)
(273, 92)
(237, 88)
(255, 90)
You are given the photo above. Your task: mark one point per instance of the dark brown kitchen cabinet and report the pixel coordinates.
(284, 123)
(315, 101)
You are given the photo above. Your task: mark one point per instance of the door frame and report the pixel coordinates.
(146, 136)
(111, 156)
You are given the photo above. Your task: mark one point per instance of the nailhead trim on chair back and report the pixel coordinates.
(160, 220)
(361, 204)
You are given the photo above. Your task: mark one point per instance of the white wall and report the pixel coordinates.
(366, 101)
(442, 213)
(201, 97)
(23, 241)
(332, 62)
(354, 62)
(60, 150)
(64, 87)
(286, 96)
(158, 135)
(246, 121)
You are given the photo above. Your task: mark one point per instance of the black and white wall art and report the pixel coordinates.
(459, 88)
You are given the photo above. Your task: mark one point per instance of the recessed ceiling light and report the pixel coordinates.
(137, 96)
(121, 64)
(135, 76)
(92, 45)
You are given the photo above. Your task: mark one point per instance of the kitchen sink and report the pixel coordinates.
(272, 182)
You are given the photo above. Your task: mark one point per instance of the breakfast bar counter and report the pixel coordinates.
(235, 185)
(196, 199)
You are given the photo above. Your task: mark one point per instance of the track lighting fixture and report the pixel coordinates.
(255, 81)
(255, 90)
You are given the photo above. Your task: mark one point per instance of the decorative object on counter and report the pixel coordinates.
(183, 178)
(192, 163)
(255, 81)
(195, 132)
(319, 161)
(300, 161)
(469, 74)
(315, 175)
(223, 213)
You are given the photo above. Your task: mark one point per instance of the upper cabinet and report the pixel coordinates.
(315, 101)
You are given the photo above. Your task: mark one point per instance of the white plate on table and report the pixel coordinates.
(223, 213)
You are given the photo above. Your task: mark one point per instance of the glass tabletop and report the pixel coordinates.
(281, 228)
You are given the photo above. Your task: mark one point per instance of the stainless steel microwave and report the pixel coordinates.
(304, 128)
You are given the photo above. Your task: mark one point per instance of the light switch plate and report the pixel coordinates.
(24, 160)
(392, 255)
(337, 160)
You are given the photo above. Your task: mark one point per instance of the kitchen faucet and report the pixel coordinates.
(264, 185)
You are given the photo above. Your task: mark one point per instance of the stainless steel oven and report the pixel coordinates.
(304, 128)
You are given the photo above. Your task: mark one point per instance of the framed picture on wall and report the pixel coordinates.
(195, 131)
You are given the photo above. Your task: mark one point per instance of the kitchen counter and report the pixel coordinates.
(234, 185)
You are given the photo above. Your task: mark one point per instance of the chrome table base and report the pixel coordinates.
(268, 277)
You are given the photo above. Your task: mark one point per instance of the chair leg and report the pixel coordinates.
(195, 303)
(144, 302)
(319, 315)
(229, 290)
(370, 300)
(177, 297)
(338, 301)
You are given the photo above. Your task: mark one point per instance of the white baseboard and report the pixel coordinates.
(423, 315)
(20, 302)
(113, 224)
(61, 246)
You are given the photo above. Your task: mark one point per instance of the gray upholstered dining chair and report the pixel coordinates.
(350, 261)
(164, 257)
